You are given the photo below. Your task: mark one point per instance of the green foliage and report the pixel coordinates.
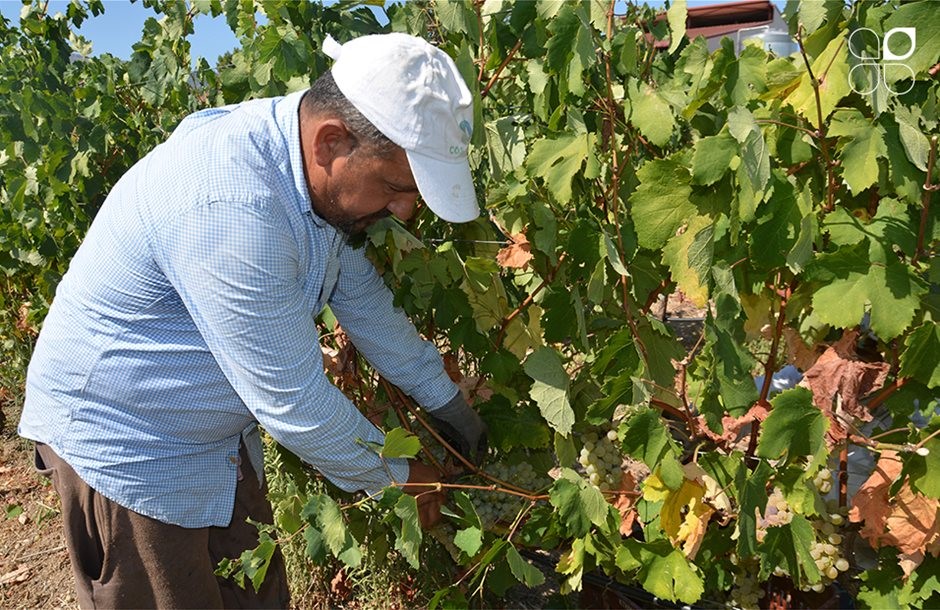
(764, 188)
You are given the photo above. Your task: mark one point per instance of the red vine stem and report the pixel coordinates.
(504, 326)
(503, 486)
(929, 188)
(499, 70)
(844, 475)
(771, 365)
(885, 393)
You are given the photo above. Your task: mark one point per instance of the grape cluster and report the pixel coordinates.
(823, 481)
(431, 444)
(826, 548)
(498, 507)
(601, 459)
(775, 514)
(747, 591)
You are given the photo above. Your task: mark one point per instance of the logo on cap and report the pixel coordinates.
(467, 129)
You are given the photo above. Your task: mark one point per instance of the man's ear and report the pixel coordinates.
(331, 140)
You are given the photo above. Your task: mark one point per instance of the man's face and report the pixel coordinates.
(363, 189)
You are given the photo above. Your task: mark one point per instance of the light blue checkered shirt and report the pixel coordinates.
(187, 316)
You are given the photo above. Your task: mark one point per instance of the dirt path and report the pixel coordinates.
(34, 565)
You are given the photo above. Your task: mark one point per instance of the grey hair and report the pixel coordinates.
(325, 97)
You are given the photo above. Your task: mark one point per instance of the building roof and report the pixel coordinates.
(722, 19)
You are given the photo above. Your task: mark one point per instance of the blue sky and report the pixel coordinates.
(122, 22)
(121, 25)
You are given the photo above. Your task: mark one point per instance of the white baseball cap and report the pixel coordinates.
(412, 92)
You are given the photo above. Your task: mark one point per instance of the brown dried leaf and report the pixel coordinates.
(339, 585)
(452, 367)
(474, 389)
(799, 353)
(908, 521)
(838, 372)
(625, 502)
(731, 426)
(517, 254)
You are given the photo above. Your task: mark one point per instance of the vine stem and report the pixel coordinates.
(886, 393)
(820, 128)
(771, 364)
(499, 70)
(787, 125)
(407, 426)
(844, 474)
(503, 485)
(929, 188)
(504, 326)
(611, 109)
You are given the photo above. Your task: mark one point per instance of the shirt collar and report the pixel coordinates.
(289, 122)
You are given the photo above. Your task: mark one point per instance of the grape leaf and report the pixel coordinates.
(923, 17)
(524, 571)
(888, 230)
(469, 540)
(400, 443)
(789, 545)
(645, 437)
(665, 573)
(832, 69)
(565, 496)
(550, 388)
(923, 469)
(661, 202)
(689, 256)
(919, 360)
(905, 520)
(904, 152)
(677, 14)
(685, 513)
(746, 76)
(255, 562)
(408, 541)
(557, 160)
(795, 426)
(517, 254)
(850, 284)
(755, 155)
(335, 534)
(649, 112)
(862, 144)
(711, 157)
(839, 372)
(752, 499)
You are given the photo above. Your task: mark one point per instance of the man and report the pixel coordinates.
(187, 318)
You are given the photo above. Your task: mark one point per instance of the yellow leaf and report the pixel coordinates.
(685, 513)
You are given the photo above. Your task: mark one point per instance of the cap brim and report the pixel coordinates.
(446, 187)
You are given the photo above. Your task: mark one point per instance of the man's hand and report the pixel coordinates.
(430, 500)
(462, 428)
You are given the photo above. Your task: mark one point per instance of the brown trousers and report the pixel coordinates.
(122, 559)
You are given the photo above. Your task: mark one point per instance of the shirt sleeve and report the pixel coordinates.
(364, 306)
(238, 273)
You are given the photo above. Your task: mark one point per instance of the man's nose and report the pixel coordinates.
(403, 207)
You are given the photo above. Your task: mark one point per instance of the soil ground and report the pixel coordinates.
(34, 565)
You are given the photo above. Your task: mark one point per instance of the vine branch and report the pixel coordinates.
(820, 133)
(499, 70)
(929, 188)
